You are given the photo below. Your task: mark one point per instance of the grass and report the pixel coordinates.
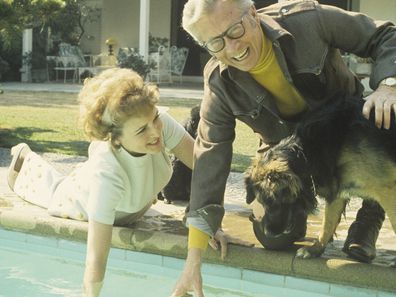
(47, 121)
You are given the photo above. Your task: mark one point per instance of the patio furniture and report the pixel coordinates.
(72, 60)
(66, 64)
(161, 61)
(99, 63)
(68, 60)
(178, 61)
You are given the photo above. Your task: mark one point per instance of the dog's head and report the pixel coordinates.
(280, 180)
(278, 175)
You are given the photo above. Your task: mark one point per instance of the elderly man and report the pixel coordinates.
(268, 68)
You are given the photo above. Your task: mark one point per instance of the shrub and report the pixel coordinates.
(129, 58)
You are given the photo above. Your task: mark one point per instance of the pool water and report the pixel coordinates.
(31, 274)
(34, 266)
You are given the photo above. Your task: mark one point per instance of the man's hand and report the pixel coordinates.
(191, 279)
(383, 100)
(224, 240)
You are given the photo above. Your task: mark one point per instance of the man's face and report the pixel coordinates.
(243, 52)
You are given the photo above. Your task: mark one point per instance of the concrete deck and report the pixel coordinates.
(185, 90)
(161, 230)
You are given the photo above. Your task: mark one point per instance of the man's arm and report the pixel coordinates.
(212, 162)
(366, 37)
(191, 279)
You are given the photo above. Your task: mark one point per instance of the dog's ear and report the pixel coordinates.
(250, 193)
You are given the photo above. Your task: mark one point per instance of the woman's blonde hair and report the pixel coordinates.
(109, 99)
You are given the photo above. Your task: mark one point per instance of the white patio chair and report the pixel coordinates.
(69, 60)
(66, 64)
(162, 65)
(178, 61)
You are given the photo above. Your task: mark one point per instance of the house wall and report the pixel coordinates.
(120, 20)
(160, 18)
(92, 39)
(379, 9)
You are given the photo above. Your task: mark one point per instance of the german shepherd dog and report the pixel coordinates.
(335, 153)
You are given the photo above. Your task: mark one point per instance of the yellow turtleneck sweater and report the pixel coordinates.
(268, 73)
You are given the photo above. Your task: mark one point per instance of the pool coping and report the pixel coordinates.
(34, 220)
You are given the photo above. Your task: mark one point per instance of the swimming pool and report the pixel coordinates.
(34, 266)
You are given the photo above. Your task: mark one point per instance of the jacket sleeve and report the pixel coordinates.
(361, 35)
(212, 162)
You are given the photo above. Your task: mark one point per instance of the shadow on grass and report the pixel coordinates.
(11, 137)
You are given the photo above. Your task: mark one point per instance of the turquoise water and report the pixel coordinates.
(34, 266)
(34, 275)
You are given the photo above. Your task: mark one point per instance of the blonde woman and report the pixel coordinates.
(127, 164)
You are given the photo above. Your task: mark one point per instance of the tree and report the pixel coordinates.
(70, 23)
(64, 19)
(16, 15)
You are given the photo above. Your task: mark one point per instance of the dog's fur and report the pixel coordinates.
(335, 153)
(179, 186)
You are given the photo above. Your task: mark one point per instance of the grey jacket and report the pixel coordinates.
(307, 38)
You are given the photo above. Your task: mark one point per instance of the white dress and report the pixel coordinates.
(110, 185)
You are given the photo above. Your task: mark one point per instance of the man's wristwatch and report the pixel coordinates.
(390, 82)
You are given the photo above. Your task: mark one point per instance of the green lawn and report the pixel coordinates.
(48, 123)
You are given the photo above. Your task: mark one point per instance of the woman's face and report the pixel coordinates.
(142, 135)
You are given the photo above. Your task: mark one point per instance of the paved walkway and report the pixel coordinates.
(185, 90)
(161, 231)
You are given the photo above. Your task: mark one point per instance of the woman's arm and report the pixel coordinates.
(98, 247)
(184, 150)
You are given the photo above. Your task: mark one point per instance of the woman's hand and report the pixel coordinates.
(98, 247)
(383, 100)
(224, 240)
(92, 289)
(191, 279)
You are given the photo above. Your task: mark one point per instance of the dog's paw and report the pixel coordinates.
(313, 251)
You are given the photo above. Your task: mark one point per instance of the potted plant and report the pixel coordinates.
(156, 42)
(129, 58)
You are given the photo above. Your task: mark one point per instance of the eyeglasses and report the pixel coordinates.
(217, 43)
